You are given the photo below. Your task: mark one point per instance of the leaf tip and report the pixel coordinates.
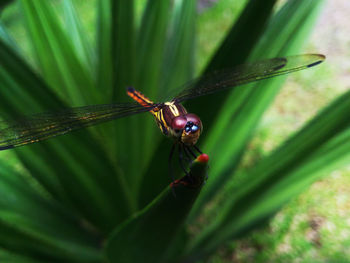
(203, 158)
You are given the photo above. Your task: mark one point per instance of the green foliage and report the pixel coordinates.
(102, 194)
(150, 231)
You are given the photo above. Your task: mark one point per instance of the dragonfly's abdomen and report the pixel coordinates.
(157, 112)
(139, 97)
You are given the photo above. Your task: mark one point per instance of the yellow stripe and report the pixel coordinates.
(143, 97)
(173, 108)
(163, 120)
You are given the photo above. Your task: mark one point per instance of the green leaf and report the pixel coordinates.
(178, 59)
(58, 62)
(104, 48)
(123, 46)
(106, 193)
(19, 84)
(31, 224)
(78, 36)
(8, 257)
(239, 42)
(123, 43)
(145, 237)
(6, 37)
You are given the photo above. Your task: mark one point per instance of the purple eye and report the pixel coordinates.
(178, 123)
(193, 124)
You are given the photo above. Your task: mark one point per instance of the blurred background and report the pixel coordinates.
(315, 226)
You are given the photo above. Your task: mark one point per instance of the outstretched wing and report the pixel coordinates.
(43, 126)
(229, 78)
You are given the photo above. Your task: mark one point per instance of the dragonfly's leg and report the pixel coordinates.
(198, 150)
(181, 157)
(188, 153)
(188, 156)
(181, 164)
(191, 152)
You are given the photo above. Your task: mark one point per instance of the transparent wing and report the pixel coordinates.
(43, 126)
(229, 78)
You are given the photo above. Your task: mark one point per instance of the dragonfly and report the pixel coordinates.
(171, 116)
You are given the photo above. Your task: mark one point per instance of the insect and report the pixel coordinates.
(171, 117)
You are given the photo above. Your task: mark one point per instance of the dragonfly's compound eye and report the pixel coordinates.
(193, 123)
(193, 118)
(178, 123)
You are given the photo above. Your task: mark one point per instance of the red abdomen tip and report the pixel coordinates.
(203, 158)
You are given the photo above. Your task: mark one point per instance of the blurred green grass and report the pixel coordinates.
(320, 215)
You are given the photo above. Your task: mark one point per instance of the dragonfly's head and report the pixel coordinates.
(187, 127)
